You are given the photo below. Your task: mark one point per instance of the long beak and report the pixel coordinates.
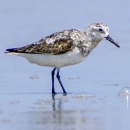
(112, 41)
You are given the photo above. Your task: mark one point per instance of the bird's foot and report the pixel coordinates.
(54, 93)
(64, 93)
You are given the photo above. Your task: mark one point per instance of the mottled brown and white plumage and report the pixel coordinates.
(64, 48)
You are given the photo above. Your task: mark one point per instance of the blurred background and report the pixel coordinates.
(24, 22)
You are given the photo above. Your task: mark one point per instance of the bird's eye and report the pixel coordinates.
(100, 29)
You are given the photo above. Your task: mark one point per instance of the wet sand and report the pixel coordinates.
(99, 108)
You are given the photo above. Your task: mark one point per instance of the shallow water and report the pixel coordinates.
(95, 86)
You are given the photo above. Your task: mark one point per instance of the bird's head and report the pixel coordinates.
(100, 31)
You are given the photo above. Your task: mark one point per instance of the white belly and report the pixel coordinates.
(69, 58)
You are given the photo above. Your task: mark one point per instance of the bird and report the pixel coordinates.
(64, 48)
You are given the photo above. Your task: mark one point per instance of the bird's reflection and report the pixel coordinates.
(57, 108)
(59, 102)
(49, 111)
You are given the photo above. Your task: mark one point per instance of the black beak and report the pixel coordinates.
(112, 41)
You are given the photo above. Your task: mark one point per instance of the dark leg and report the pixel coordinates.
(53, 73)
(58, 77)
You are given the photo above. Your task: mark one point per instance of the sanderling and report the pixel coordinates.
(64, 48)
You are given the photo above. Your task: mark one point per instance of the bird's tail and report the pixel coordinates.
(11, 50)
(24, 49)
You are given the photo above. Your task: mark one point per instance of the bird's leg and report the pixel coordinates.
(58, 77)
(53, 73)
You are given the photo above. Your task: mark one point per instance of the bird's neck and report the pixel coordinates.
(93, 42)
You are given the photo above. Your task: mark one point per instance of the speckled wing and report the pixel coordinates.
(57, 43)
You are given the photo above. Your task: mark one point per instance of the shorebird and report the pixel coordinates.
(64, 48)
